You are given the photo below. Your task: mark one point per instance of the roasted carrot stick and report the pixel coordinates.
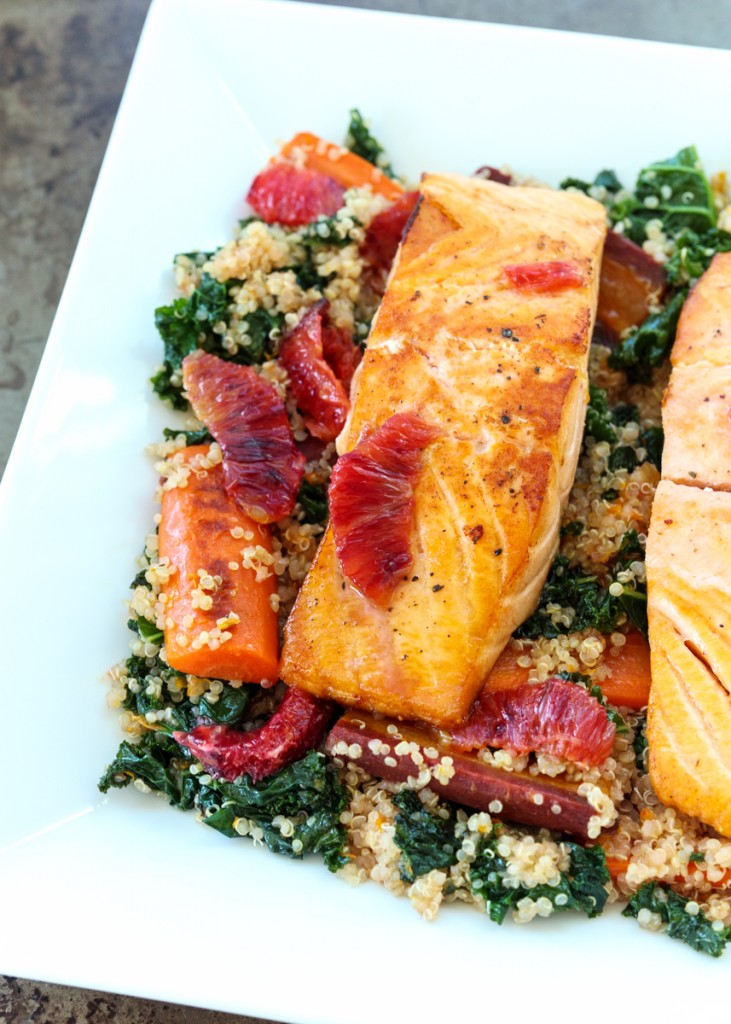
(628, 686)
(346, 168)
(220, 622)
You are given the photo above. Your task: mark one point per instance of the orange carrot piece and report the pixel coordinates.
(629, 684)
(506, 673)
(196, 534)
(617, 866)
(348, 169)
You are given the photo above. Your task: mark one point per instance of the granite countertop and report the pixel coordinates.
(63, 66)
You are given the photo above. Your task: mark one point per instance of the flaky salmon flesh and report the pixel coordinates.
(501, 372)
(689, 565)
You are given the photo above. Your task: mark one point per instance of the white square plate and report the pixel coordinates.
(125, 893)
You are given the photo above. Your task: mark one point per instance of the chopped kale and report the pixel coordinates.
(650, 343)
(330, 231)
(694, 929)
(571, 588)
(201, 436)
(599, 420)
(308, 791)
(313, 499)
(360, 141)
(145, 629)
(582, 887)
(604, 179)
(697, 858)
(677, 191)
(187, 324)
(624, 456)
(625, 412)
(426, 840)
(156, 760)
(674, 191)
(184, 326)
(653, 440)
(230, 706)
(693, 254)
(639, 745)
(573, 529)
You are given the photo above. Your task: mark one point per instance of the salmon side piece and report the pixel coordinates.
(704, 328)
(689, 564)
(689, 610)
(502, 373)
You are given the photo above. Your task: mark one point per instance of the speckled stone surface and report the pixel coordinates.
(63, 65)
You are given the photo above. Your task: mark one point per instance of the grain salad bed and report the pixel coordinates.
(239, 303)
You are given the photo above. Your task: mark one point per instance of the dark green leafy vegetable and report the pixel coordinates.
(693, 929)
(146, 629)
(158, 762)
(313, 499)
(360, 141)
(230, 706)
(604, 179)
(599, 420)
(185, 325)
(625, 412)
(697, 858)
(571, 588)
(653, 440)
(650, 344)
(582, 887)
(426, 841)
(201, 436)
(680, 191)
(622, 457)
(640, 745)
(693, 254)
(573, 529)
(330, 231)
(309, 791)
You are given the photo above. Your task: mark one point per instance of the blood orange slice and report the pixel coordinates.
(286, 194)
(372, 504)
(556, 717)
(262, 468)
(298, 725)
(340, 352)
(385, 231)
(320, 396)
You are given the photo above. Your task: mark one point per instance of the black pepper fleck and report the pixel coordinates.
(437, 587)
(498, 551)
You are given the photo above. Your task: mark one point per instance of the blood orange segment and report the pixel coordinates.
(286, 194)
(319, 395)
(385, 231)
(556, 717)
(372, 504)
(262, 467)
(340, 352)
(543, 277)
(298, 725)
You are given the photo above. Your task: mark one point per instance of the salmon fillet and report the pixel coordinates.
(502, 373)
(689, 565)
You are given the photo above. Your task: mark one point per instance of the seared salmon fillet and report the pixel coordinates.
(500, 370)
(689, 610)
(689, 564)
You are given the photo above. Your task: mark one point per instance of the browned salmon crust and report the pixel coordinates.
(503, 374)
(689, 565)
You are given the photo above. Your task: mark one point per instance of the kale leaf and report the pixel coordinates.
(604, 179)
(653, 441)
(156, 760)
(650, 343)
(360, 141)
(600, 423)
(201, 436)
(693, 254)
(640, 746)
(313, 499)
(624, 456)
(582, 887)
(571, 588)
(184, 326)
(694, 929)
(147, 630)
(426, 840)
(308, 791)
(229, 708)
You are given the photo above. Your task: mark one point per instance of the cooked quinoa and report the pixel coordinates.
(282, 272)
